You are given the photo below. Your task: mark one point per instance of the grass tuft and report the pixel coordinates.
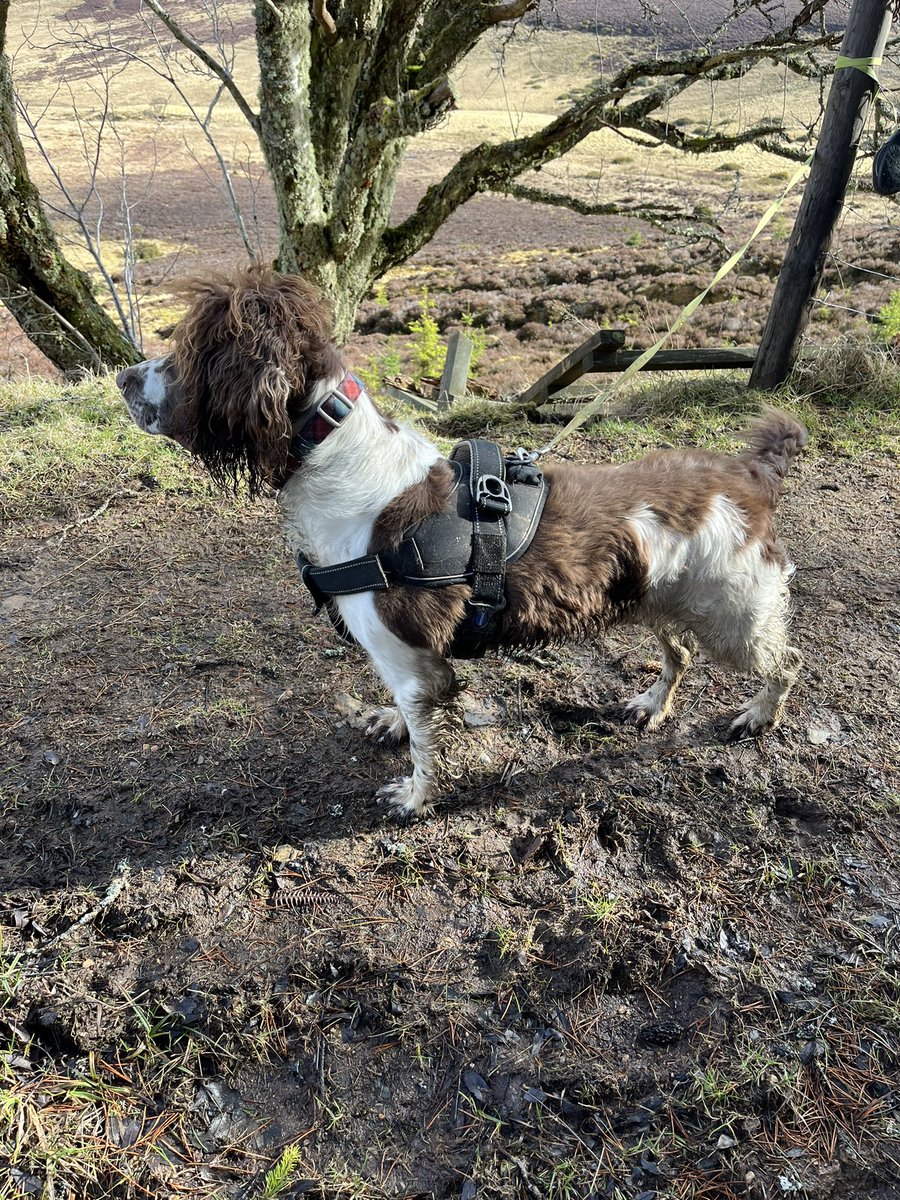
(849, 373)
(64, 447)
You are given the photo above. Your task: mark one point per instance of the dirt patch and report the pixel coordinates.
(612, 965)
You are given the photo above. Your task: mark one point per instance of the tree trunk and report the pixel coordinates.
(51, 299)
(327, 131)
(804, 262)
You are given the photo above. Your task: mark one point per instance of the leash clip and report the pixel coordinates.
(491, 493)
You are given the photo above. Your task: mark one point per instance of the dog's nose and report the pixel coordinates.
(123, 377)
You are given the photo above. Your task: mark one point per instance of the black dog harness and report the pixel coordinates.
(490, 521)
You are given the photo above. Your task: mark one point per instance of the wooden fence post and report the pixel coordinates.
(456, 369)
(842, 126)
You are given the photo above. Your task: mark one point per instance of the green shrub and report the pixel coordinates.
(428, 350)
(889, 318)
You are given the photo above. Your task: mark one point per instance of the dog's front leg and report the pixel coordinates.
(423, 686)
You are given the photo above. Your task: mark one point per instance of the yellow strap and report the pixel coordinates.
(585, 414)
(866, 65)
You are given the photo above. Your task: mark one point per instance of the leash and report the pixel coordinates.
(589, 410)
(867, 66)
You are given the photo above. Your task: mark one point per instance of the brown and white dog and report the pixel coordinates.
(681, 541)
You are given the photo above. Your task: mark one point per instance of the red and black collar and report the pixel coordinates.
(325, 418)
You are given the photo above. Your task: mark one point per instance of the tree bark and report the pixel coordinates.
(51, 299)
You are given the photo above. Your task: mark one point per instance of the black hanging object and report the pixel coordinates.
(886, 167)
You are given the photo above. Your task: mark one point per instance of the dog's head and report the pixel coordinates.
(246, 360)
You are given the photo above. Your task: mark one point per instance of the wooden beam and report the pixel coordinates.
(712, 359)
(573, 366)
(842, 125)
(407, 397)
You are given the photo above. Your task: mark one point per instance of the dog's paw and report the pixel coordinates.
(386, 725)
(644, 712)
(406, 798)
(749, 723)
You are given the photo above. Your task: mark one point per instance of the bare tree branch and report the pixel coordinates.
(498, 13)
(489, 167)
(659, 215)
(218, 69)
(28, 308)
(51, 299)
(325, 20)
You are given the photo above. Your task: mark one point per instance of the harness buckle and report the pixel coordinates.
(481, 613)
(491, 493)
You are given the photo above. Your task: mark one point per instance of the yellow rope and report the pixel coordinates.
(585, 414)
(866, 65)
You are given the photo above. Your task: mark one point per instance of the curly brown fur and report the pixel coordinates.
(773, 441)
(245, 354)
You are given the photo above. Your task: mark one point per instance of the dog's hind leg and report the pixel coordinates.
(651, 707)
(780, 671)
(747, 629)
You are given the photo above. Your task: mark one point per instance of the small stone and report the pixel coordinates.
(479, 716)
(661, 1033)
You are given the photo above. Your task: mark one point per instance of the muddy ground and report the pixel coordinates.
(612, 964)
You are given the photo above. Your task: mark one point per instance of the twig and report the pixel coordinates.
(98, 512)
(208, 61)
(324, 19)
(519, 1164)
(116, 885)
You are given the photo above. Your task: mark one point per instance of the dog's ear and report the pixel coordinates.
(246, 354)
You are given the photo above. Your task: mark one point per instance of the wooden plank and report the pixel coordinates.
(712, 359)
(456, 369)
(406, 397)
(573, 366)
(849, 98)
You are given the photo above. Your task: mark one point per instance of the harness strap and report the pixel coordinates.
(491, 503)
(469, 543)
(364, 574)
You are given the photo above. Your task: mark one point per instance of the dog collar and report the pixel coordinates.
(326, 417)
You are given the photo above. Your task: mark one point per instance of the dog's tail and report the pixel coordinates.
(773, 441)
